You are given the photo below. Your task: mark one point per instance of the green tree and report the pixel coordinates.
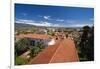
(38, 48)
(34, 52)
(87, 44)
(40, 44)
(90, 48)
(21, 46)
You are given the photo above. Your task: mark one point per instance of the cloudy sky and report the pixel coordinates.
(55, 16)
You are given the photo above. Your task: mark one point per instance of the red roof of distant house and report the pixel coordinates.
(34, 36)
(63, 51)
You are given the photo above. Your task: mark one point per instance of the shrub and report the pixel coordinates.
(20, 61)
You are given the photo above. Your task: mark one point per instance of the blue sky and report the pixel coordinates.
(55, 16)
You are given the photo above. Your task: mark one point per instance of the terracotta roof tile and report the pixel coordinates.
(62, 51)
(35, 36)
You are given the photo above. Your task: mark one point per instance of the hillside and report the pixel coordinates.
(23, 26)
(28, 26)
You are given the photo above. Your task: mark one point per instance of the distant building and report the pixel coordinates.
(42, 31)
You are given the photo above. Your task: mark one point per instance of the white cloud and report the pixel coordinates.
(46, 17)
(60, 20)
(24, 21)
(45, 24)
(66, 21)
(79, 25)
(48, 24)
(32, 22)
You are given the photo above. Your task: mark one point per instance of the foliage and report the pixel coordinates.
(20, 61)
(34, 30)
(51, 33)
(39, 44)
(21, 46)
(35, 50)
(87, 44)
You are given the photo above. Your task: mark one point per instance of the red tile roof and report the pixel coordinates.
(35, 36)
(63, 51)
